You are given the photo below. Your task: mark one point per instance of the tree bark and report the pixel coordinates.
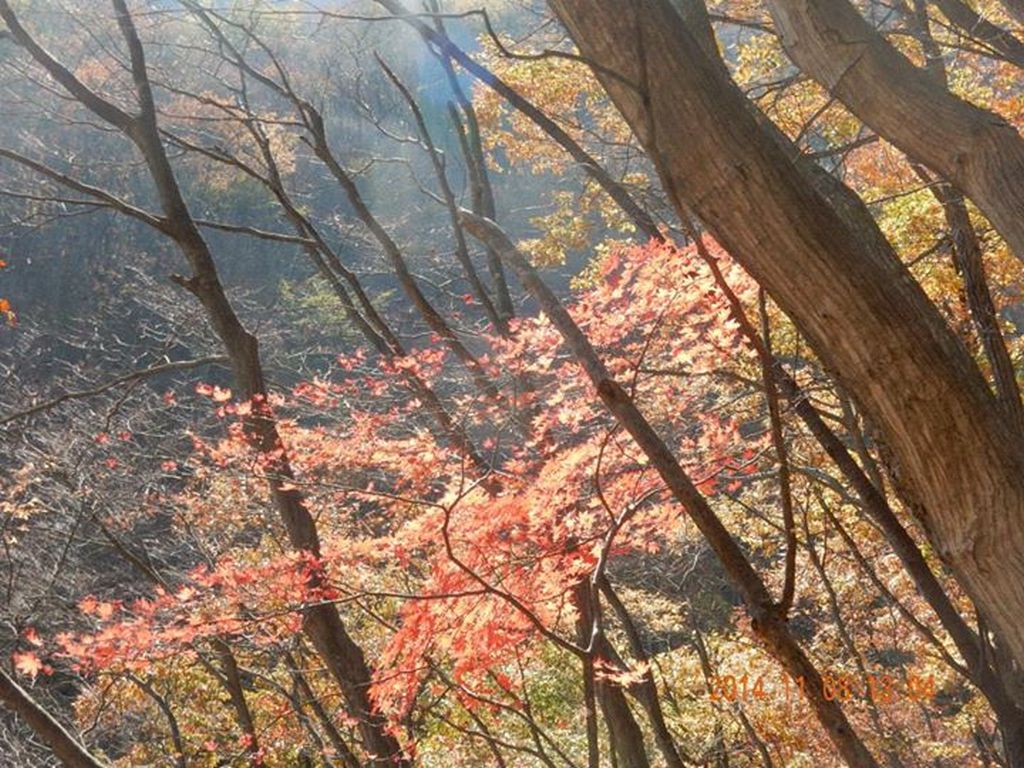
(63, 744)
(846, 290)
(646, 690)
(232, 679)
(967, 250)
(978, 151)
(624, 733)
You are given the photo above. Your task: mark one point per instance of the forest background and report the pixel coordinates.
(519, 384)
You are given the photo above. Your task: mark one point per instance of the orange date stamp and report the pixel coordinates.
(881, 688)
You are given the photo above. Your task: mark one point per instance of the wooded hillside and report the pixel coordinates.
(572, 384)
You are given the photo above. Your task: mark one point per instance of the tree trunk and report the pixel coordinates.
(63, 744)
(624, 733)
(978, 151)
(849, 294)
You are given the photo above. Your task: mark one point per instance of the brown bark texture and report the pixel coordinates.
(975, 149)
(848, 293)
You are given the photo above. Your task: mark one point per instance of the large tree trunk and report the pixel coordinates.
(849, 294)
(977, 150)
